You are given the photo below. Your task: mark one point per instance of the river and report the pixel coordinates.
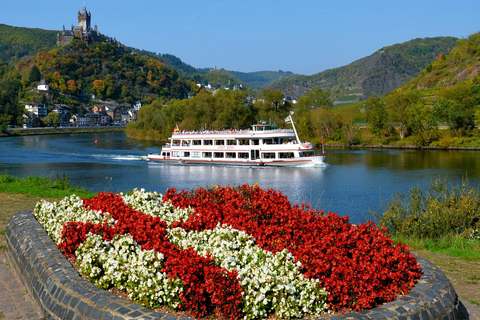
(352, 183)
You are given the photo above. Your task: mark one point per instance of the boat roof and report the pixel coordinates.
(233, 134)
(261, 128)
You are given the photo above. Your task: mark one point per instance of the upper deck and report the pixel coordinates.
(257, 130)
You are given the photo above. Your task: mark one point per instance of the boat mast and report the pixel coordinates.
(289, 119)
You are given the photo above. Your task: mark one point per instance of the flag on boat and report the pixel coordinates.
(176, 129)
(288, 119)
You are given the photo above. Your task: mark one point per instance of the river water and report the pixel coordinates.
(352, 182)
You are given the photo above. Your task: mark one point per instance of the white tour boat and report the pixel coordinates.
(263, 145)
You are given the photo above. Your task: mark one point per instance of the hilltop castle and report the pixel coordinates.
(82, 31)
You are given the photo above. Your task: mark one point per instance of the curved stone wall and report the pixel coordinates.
(62, 294)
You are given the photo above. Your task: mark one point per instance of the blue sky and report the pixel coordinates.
(302, 36)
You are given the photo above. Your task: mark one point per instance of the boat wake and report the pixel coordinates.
(315, 165)
(119, 157)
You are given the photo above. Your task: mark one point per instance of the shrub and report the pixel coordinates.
(439, 211)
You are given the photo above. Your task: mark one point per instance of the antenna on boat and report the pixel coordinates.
(290, 120)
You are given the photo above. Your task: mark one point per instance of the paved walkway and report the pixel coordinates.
(16, 302)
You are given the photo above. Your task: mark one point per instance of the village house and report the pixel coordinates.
(80, 120)
(40, 110)
(94, 119)
(31, 120)
(98, 109)
(115, 113)
(137, 105)
(105, 119)
(61, 109)
(128, 115)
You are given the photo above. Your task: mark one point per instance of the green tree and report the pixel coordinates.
(52, 119)
(397, 105)
(422, 123)
(315, 99)
(456, 106)
(325, 123)
(350, 132)
(272, 98)
(376, 115)
(35, 75)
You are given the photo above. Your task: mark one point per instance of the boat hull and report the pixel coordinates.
(292, 162)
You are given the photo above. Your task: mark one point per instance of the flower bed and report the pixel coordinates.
(235, 251)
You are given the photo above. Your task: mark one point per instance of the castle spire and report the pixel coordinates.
(84, 9)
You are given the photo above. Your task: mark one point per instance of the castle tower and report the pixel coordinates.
(84, 19)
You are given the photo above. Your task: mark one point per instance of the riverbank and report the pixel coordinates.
(395, 147)
(59, 130)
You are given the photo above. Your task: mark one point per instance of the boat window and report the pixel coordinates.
(243, 155)
(168, 154)
(255, 142)
(267, 141)
(197, 142)
(307, 153)
(219, 142)
(207, 142)
(268, 155)
(285, 155)
(185, 143)
(243, 142)
(218, 154)
(176, 142)
(206, 155)
(231, 155)
(186, 154)
(231, 142)
(176, 153)
(196, 154)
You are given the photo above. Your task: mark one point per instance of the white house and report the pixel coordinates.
(137, 105)
(40, 110)
(42, 85)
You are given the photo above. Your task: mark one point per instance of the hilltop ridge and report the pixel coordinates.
(373, 76)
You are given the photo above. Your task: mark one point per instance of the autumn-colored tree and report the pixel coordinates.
(98, 87)
(71, 86)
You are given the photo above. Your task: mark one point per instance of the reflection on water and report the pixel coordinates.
(353, 182)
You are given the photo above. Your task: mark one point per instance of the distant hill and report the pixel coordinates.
(262, 79)
(220, 77)
(19, 42)
(460, 67)
(108, 71)
(373, 76)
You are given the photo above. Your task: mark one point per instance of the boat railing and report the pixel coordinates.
(232, 131)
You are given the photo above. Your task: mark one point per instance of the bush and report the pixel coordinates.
(441, 210)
